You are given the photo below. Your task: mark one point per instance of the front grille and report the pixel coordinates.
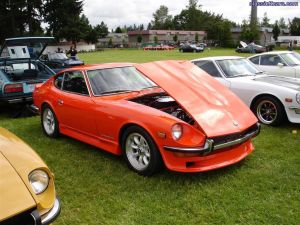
(228, 138)
(29, 217)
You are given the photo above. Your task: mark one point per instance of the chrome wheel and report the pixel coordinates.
(48, 121)
(267, 112)
(137, 151)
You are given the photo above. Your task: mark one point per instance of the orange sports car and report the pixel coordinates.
(162, 113)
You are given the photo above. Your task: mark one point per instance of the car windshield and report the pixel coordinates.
(115, 80)
(53, 56)
(292, 59)
(238, 67)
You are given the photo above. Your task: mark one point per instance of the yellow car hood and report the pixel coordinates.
(17, 161)
(14, 195)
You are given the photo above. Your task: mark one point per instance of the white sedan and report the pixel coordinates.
(271, 98)
(281, 63)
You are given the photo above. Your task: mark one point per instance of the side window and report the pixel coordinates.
(58, 81)
(255, 60)
(209, 67)
(74, 82)
(270, 60)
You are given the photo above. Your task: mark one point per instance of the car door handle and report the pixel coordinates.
(60, 102)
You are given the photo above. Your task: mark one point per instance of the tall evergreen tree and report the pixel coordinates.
(63, 17)
(276, 31)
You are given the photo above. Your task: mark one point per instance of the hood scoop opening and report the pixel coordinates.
(165, 103)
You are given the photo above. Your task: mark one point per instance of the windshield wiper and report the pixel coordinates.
(117, 91)
(259, 72)
(149, 87)
(242, 75)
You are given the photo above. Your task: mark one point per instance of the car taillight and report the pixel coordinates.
(13, 88)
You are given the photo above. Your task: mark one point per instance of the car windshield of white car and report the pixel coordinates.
(116, 80)
(292, 59)
(237, 67)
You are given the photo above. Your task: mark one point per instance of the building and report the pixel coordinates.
(117, 40)
(265, 35)
(164, 36)
(285, 40)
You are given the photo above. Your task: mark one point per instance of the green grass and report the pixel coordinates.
(97, 188)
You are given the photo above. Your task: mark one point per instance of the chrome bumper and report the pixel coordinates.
(50, 216)
(209, 145)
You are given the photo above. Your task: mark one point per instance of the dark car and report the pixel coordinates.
(251, 48)
(20, 68)
(190, 48)
(58, 61)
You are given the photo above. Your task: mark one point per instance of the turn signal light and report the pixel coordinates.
(13, 88)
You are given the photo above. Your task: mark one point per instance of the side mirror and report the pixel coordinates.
(280, 65)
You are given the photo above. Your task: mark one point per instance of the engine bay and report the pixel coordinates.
(165, 103)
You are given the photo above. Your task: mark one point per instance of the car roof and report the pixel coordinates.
(271, 53)
(218, 58)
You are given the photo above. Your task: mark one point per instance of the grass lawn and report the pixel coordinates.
(97, 188)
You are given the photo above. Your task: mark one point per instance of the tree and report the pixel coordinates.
(276, 31)
(161, 18)
(101, 29)
(175, 38)
(20, 17)
(282, 24)
(118, 30)
(265, 21)
(110, 43)
(247, 34)
(149, 27)
(63, 17)
(196, 37)
(139, 38)
(155, 39)
(295, 26)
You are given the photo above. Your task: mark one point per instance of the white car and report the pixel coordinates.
(271, 98)
(281, 63)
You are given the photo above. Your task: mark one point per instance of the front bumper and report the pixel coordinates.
(209, 145)
(32, 216)
(52, 214)
(216, 153)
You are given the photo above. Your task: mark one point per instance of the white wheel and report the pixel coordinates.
(49, 122)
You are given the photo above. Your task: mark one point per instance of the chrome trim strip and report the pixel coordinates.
(50, 216)
(209, 144)
(294, 108)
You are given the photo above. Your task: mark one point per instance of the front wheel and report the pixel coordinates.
(49, 122)
(269, 111)
(140, 151)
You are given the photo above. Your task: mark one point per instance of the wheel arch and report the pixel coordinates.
(254, 100)
(125, 126)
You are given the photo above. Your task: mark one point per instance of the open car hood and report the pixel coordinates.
(27, 47)
(243, 44)
(213, 106)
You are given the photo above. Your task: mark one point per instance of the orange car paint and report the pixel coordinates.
(99, 120)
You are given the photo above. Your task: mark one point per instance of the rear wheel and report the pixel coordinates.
(49, 122)
(269, 111)
(140, 151)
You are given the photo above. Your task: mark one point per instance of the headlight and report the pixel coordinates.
(39, 181)
(176, 131)
(298, 97)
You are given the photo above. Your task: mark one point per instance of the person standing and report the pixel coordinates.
(72, 52)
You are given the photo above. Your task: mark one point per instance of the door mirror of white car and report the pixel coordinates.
(280, 65)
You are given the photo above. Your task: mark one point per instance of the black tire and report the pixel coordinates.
(53, 133)
(269, 111)
(155, 161)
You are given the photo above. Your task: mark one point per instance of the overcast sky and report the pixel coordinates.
(128, 12)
